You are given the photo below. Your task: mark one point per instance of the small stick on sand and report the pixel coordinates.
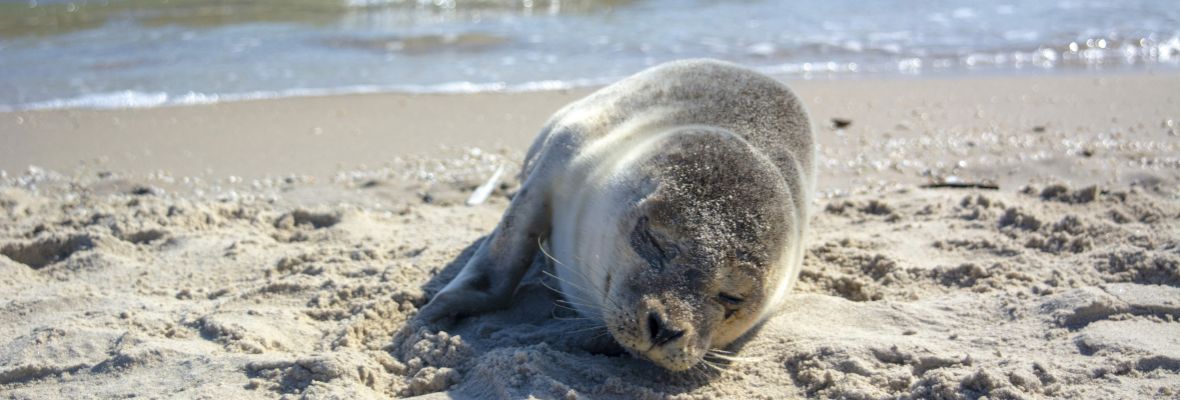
(483, 191)
(961, 185)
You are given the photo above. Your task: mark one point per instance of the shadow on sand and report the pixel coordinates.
(554, 336)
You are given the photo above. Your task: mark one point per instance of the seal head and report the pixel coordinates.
(704, 242)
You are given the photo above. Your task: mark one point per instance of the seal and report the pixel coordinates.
(674, 204)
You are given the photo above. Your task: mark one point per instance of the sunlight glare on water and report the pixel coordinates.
(142, 53)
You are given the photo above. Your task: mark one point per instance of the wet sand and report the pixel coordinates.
(278, 248)
(996, 126)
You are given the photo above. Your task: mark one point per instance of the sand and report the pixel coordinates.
(234, 251)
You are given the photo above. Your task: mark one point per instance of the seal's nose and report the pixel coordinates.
(659, 330)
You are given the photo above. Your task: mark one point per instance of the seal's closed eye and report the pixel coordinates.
(649, 246)
(730, 299)
(731, 303)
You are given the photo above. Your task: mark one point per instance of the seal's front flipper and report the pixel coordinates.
(490, 277)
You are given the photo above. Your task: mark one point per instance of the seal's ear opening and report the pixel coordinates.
(651, 245)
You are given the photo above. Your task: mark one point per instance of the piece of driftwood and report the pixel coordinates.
(961, 185)
(483, 191)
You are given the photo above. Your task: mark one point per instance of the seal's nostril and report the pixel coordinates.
(660, 333)
(653, 325)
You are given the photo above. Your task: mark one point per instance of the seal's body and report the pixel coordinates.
(675, 203)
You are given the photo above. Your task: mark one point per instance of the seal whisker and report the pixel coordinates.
(577, 303)
(558, 263)
(714, 366)
(702, 370)
(575, 286)
(593, 266)
(541, 246)
(575, 310)
(589, 329)
(558, 303)
(728, 354)
(546, 285)
(574, 319)
(705, 361)
(567, 301)
(565, 307)
(581, 289)
(603, 333)
(559, 279)
(734, 359)
(562, 306)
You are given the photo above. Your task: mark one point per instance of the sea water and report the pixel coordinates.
(144, 53)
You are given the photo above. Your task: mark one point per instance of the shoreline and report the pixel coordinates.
(324, 136)
(119, 99)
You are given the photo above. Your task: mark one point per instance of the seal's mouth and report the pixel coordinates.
(674, 359)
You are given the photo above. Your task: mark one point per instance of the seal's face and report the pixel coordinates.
(678, 302)
(697, 268)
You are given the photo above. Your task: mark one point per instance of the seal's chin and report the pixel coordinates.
(679, 361)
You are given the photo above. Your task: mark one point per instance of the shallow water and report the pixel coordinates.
(141, 53)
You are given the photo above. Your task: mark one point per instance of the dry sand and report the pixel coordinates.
(235, 251)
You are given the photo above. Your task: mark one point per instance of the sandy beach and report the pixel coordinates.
(279, 248)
